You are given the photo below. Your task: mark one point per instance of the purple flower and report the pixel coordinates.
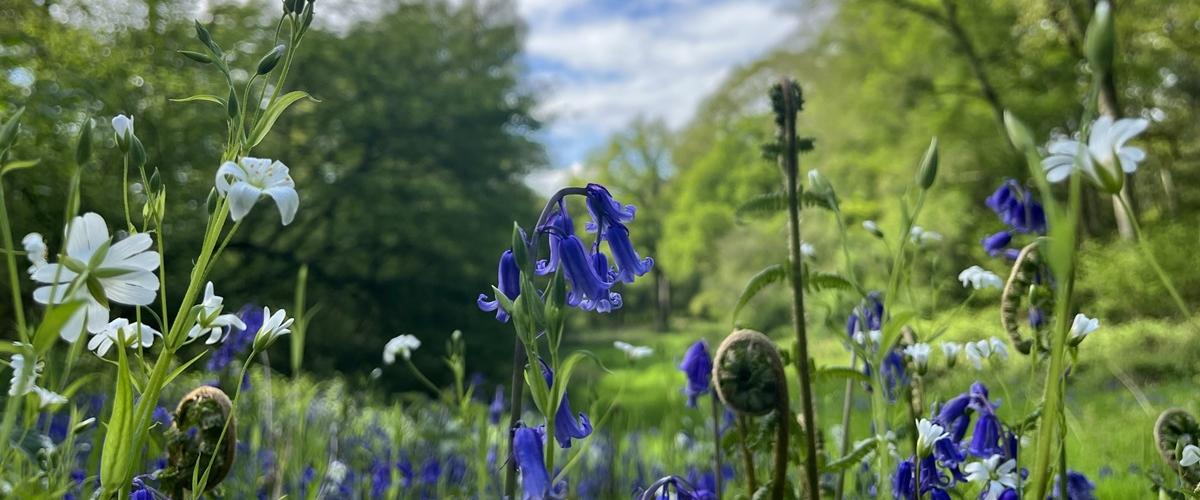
(566, 427)
(697, 365)
(997, 244)
(162, 416)
(985, 439)
(1016, 207)
(557, 227)
(496, 409)
(933, 481)
(868, 316)
(431, 471)
(605, 210)
(527, 452)
(629, 263)
(589, 289)
(1036, 318)
(238, 340)
(508, 280)
(1079, 487)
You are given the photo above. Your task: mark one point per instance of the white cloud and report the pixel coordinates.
(602, 64)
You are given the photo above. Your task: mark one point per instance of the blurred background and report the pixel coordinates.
(440, 123)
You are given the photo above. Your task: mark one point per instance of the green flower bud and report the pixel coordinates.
(520, 246)
(196, 56)
(231, 104)
(83, 147)
(1018, 133)
(1099, 40)
(8, 131)
(206, 38)
(269, 61)
(137, 152)
(929, 166)
(293, 6)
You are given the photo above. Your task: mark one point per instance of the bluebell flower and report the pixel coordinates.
(894, 373)
(697, 365)
(558, 226)
(1016, 207)
(605, 210)
(306, 478)
(871, 311)
(406, 471)
(527, 452)
(933, 481)
(381, 478)
(589, 289)
(496, 408)
(629, 263)
(953, 416)
(238, 340)
(566, 427)
(997, 244)
(140, 491)
(162, 416)
(508, 280)
(985, 439)
(431, 472)
(1079, 487)
(1037, 319)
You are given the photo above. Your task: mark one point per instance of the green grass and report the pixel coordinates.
(1126, 375)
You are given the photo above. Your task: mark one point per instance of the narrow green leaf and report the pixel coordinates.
(114, 459)
(8, 131)
(771, 274)
(829, 373)
(201, 97)
(818, 281)
(891, 329)
(18, 165)
(56, 317)
(850, 459)
(182, 368)
(267, 119)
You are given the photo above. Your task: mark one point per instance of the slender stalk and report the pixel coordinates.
(421, 376)
(847, 406)
(10, 260)
(790, 160)
(1148, 253)
(716, 428)
(515, 396)
(747, 457)
(125, 190)
(783, 414)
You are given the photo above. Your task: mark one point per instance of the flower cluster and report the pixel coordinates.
(588, 273)
(1017, 208)
(864, 329)
(944, 451)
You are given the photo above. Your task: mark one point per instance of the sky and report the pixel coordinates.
(599, 64)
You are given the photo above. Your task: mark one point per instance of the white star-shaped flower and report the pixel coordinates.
(1082, 325)
(980, 278)
(210, 320)
(928, 433)
(121, 330)
(274, 326)
(1105, 154)
(1191, 455)
(35, 251)
(403, 345)
(995, 476)
(121, 272)
(251, 179)
(633, 351)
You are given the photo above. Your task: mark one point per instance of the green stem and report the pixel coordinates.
(716, 428)
(1148, 253)
(747, 457)
(125, 190)
(516, 397)
(790, 160)
(10, 258)
(421, 376)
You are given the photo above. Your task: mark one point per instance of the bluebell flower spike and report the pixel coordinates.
(697, 365)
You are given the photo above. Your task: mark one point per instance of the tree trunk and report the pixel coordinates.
(1110, 106)
(662, 301)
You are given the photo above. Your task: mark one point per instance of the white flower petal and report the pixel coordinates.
(226, 170)
(88, 232)
(242, 197)
(53, 273)
(288, 201)
(127, 248)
